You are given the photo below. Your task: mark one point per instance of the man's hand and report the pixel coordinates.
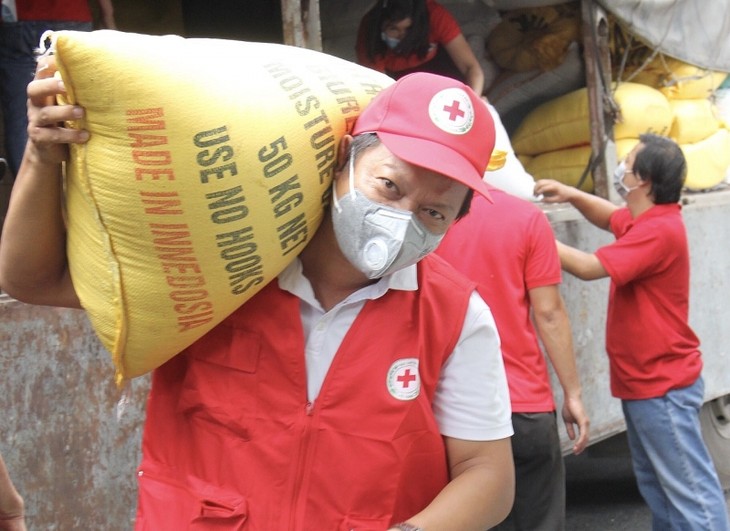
(47, 138)
(576, 419)
(12, 508)
(553, 191)
(12, 523)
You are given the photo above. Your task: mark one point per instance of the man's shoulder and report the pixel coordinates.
(436, 269)
(512, 203)
(663, 217)
(522, 214)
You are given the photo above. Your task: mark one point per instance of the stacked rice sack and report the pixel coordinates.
(696, 125)
(554, 140)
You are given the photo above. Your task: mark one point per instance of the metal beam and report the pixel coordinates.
(602, 110)
(301, 23)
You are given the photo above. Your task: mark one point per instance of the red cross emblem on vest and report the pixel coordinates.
(403, 380)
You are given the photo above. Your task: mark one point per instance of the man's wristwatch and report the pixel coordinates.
(405, 526)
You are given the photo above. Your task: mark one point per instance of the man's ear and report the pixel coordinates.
(343, 151)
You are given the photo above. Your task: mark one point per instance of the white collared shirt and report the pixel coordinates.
(472, 398)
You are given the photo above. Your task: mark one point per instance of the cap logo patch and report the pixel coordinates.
(451, 110)
(404, 382)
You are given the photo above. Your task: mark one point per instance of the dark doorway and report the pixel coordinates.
(246, 20)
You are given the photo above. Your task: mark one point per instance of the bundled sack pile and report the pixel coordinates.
(206, 173)
(537, 51)
(654, 94)
(534, 37)
(696, 125)
(554, 140)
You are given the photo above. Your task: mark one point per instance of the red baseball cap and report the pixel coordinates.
(434, 122)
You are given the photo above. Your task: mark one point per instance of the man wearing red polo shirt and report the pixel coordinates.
(654, 355)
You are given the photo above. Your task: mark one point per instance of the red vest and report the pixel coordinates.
(231, 442)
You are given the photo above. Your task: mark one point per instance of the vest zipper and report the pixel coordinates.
(299, 498)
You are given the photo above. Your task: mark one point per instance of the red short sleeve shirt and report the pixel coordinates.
(508, 248)
(651, 347)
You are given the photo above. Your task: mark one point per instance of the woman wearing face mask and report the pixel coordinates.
(403, 36)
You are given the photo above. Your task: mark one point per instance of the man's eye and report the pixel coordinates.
(388, 188)
(435, 214)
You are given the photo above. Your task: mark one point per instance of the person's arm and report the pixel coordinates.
(581, 264)
(481, 491)
(595, 209)
(33, 264)
(553, 327)
(107, 14)
(472, 406)
(12, 508)
(467, 63)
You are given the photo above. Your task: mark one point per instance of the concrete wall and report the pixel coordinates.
(70, 455)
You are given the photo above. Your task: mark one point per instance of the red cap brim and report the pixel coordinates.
(436, 157)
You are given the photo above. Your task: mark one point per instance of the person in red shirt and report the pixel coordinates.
(403, 36)
(508, 248)
(654, 356)
(24, 22)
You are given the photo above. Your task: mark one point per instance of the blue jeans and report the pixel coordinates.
(18, 42)
(673, 468)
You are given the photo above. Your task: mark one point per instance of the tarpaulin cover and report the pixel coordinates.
(693, 31)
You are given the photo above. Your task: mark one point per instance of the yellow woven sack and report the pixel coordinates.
(642, 110)
(565, 122)
(679, 80)
(205, 175)
(564, 165)
(693, 120)
(557, 124)
(624, 146)
(567, 165)
(707, 161)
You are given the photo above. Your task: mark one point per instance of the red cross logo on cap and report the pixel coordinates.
(451, 110)
(454, 110)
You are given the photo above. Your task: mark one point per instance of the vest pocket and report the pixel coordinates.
(167, 503)
(222, 379)
(229, 348)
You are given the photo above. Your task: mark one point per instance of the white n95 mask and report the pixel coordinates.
(390, 42)
(375, 238)
(618, 181)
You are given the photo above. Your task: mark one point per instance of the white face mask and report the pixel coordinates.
(375, 238)
(618, 181)
(390, 42)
